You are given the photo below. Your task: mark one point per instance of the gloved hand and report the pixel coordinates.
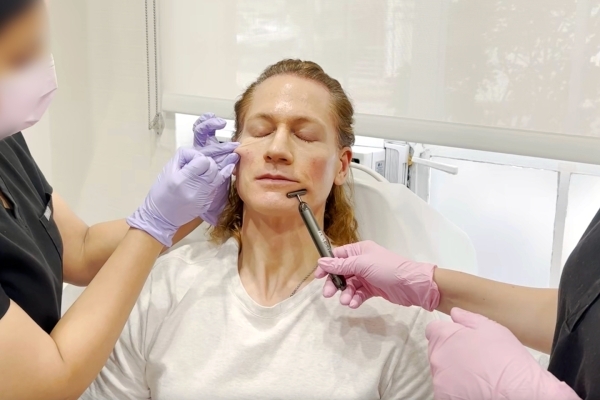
(476, 358)
(180, 193)
(205, 128)
(371, 270)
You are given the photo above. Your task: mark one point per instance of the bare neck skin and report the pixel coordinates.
(277, 253)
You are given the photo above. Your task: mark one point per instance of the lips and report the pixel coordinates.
(275, 178)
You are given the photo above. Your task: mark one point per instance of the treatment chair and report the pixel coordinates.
(397, 219)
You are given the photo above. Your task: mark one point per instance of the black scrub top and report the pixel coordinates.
(575, 355)
(30, 243)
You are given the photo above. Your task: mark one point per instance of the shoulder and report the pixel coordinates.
(17, 141)
(406, 373)
(172, 277)
(177, 271)
(15, 146)
(19, 165)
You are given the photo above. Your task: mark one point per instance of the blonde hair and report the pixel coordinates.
(339, 223)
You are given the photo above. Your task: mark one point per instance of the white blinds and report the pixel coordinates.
(492, 75)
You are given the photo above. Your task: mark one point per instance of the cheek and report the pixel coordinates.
(245, 157)
(243, 169)
(322, 172)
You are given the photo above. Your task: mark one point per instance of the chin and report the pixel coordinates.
(273, 204)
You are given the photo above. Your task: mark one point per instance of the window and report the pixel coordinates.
(524, 215)
(508, 212)
(184, 134)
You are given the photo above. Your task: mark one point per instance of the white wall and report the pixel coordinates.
(94, 144)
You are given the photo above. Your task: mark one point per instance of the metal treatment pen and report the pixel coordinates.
(318, 237)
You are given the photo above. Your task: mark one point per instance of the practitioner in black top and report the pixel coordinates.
(43, 243)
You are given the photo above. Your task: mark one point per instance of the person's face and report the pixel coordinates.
(289, 142)
(23, 39)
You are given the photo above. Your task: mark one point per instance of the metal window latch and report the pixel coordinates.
(450, 169)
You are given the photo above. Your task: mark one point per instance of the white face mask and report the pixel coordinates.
(25, 96)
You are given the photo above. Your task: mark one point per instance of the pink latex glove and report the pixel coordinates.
(476, 358)
(372, 270)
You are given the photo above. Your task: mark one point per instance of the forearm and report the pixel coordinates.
(528, 312)
(62, 365)
(101, 240)
(99, 243)
(86, 334)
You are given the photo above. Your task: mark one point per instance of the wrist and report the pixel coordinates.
(160, 230)
(448, 298)
(415, 286)
(432, 299)
(146, 239)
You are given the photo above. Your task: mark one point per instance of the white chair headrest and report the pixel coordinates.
(393, 216)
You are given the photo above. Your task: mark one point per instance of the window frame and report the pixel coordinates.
(564, 169)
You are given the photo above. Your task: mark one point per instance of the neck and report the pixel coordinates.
(277, 254)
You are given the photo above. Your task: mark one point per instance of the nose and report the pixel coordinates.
(279, 149)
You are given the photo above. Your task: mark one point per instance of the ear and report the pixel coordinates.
(345, 160)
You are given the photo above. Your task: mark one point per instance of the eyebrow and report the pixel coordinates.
(295, 119)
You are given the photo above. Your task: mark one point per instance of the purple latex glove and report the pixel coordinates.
(182, 192)
(372, 270)
(205, 128)
(476, 358)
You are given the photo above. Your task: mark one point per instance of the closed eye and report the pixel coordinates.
(305, 137)
(261, 132)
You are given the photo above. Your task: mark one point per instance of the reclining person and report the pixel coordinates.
(242, 317)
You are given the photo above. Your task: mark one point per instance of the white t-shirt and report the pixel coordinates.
(196, 334)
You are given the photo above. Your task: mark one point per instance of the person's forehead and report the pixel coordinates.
(288, 95)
